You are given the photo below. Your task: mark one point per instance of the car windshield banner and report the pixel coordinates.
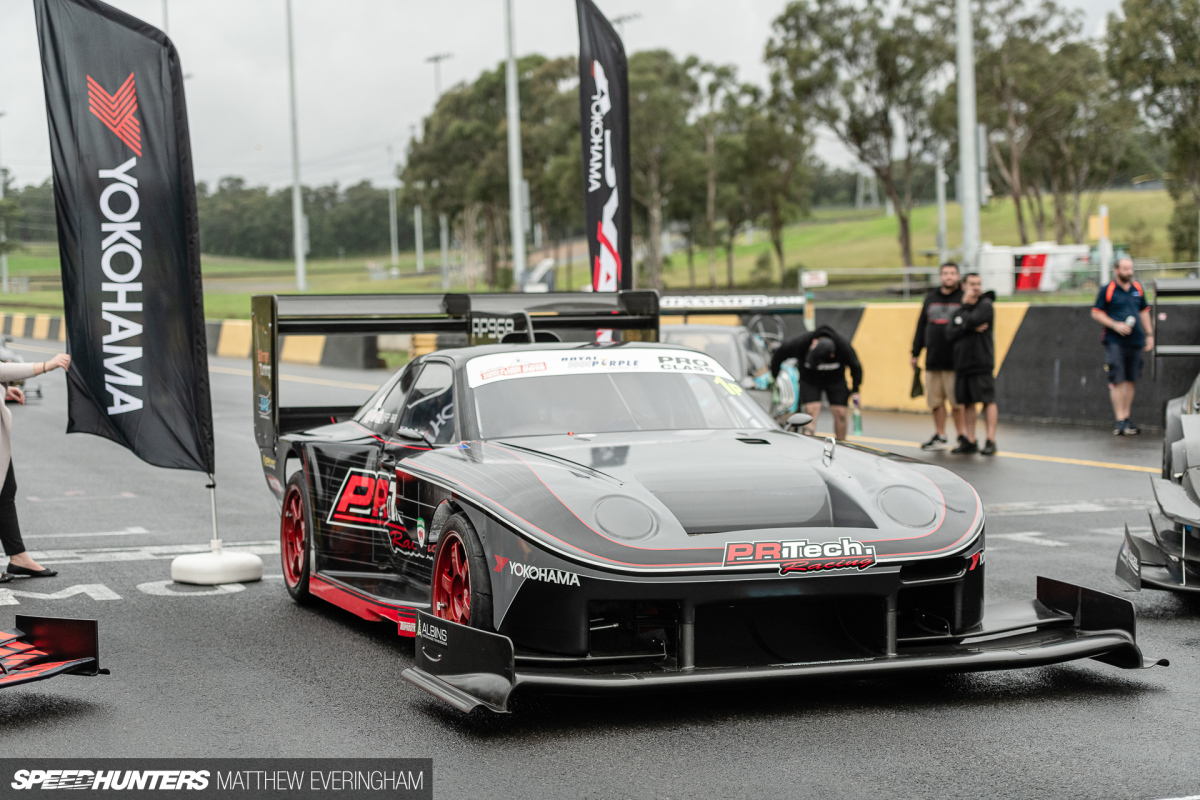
(604, 122)
(128, 233)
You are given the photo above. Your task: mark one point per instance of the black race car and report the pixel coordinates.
(1169, 558)
(589, 516)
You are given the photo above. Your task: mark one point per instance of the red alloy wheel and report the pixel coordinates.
(452, 581)
(293, 544)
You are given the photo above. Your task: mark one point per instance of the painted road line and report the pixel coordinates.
(35, 348)
(1120, 531)
(1029, 537)
(163, 589)
(299, 379)
(135, 531)
(1034, 508)
(108, 555)
(96, 591)
(1076, 462)
(80, 496)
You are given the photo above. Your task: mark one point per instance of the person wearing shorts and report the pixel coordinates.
(939, 307)
(970, 331)
(823, 355)
(1122, 309)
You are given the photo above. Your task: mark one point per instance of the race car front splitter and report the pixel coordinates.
(468, 668)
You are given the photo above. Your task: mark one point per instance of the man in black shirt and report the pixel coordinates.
(823, 357)
(970, 331)
(940, 306)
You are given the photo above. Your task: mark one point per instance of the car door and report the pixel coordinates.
(355, 508)
(428, 420)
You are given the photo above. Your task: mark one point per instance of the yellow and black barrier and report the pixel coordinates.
(1049, 360)
(34, 326)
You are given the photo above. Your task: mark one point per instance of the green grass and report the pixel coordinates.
(831, 239)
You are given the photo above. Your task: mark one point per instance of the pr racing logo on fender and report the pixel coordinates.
(799, 555)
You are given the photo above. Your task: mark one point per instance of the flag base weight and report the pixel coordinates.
(217, 567)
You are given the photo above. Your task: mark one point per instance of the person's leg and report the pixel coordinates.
(1114, 365)
(969, 416)
(939, 420)
(1126, 399)
(960, 420)
(1116, 393)
(991, 413)
(840, 414)
(814, 411)
(10, 527)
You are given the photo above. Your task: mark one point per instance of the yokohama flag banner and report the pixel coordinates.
(128, 234)
(604, 121)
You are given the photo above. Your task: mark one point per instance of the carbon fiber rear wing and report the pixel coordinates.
(482, 318)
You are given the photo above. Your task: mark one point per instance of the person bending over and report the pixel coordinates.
(823, 356)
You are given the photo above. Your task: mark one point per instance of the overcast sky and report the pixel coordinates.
(362, 79)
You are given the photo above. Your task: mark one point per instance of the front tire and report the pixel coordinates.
(295, 528)
(461, 588)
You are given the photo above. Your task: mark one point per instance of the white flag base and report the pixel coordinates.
(217, 567)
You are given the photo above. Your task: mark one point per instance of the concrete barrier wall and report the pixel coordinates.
(1049, 360)
(34, 326)
(230, 338)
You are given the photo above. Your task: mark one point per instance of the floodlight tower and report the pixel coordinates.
(619, 22)
(967, 136)
(3, 232)
(437, 60)
(298, 222)
(515, 170)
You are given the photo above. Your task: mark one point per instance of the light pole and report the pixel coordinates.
(437, 60)
(3, 231)
(618, 22)
(967, 136)
(165, 24)
(515, 170)
(392, 208)
(298, 222)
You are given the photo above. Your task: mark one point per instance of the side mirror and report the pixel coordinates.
(797, 421)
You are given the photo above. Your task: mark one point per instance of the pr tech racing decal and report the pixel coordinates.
(799, 556)
(367, 500)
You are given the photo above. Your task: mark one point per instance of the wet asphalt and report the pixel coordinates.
(248, 673)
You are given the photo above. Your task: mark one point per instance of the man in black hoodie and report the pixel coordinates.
(940, 305)
(823, 357)
(970, 331)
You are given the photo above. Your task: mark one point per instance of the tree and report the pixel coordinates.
(1019, 75)
(870, 79)
(776, 166)
(718, 85)
(661, 93)
(1091, 142)
(1154, 52)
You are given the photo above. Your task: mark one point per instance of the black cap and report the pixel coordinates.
(823, 350)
